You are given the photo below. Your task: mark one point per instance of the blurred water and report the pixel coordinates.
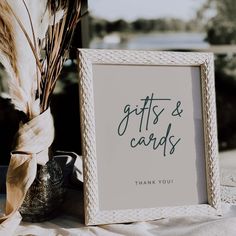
(152, 41)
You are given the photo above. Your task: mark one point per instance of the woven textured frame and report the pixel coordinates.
(88, 57)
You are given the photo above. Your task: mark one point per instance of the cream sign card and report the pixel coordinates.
(149, 135)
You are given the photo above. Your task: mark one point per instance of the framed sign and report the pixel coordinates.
(149, 135)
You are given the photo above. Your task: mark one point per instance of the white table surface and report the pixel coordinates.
(70, 222)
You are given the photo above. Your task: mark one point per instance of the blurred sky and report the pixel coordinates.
(133, 9)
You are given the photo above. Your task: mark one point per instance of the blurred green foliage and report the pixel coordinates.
(100, 27)
(221, 30)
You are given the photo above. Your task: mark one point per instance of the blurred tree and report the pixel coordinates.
(142, 25)
(98, 27)
(221, 29)
(160, 24)
(118, 26)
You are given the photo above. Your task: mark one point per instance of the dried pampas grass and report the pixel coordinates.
(7, 40)
(35, 42)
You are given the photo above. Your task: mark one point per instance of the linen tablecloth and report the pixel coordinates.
(70, 223)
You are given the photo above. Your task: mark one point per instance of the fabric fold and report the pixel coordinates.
(32, 143)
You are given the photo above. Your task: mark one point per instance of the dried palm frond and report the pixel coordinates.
(58, 41)
(55, 5)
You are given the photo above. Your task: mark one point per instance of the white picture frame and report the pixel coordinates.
(149, 135)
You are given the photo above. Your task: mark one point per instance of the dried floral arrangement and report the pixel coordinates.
(35, 39)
